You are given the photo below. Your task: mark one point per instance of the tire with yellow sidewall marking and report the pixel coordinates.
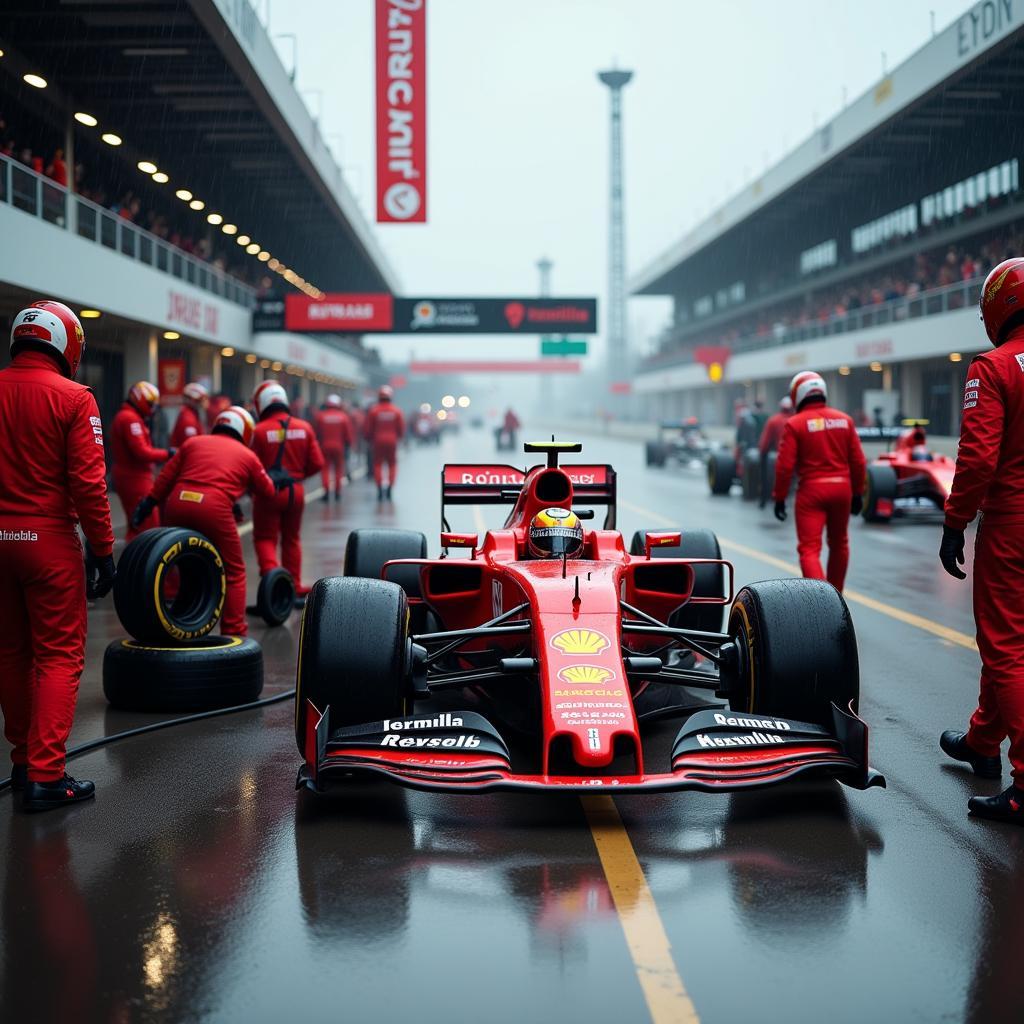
(797, 651)
(212, 672)
(170, 586)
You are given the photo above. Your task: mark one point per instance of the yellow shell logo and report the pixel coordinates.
(593, 674)
(996, 285)
(580, 641)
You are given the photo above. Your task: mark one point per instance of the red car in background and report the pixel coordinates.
(910, 478)
(406, 663)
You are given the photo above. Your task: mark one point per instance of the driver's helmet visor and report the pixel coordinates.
(556, 541)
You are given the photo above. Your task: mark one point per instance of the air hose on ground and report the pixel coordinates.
(103, 741)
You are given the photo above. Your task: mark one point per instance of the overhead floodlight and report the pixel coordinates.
(197, 204)
(111, 139)
(160, 178)
(183, 194)
(146, 166)
(230, 229)
(87, 119)
(36, 81)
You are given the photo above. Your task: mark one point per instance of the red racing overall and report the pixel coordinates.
(134, 459)
(280, 514)
(52, 473)
(821, 446)
(334, 430)
(383, 429)
(188, 424)
(198, 487)
(990, 478)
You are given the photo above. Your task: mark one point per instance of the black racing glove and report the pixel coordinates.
(99, 574)
(171, 452)
(780, 511)
(142, 511)
(857, 505)
(951, 552)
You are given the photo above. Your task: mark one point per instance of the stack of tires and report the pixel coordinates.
(169, 595)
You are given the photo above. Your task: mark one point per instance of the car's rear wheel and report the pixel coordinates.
(655, 453)
(879, 493)
(353, 652)
(721, 471)
(797, 651)
(708, 579)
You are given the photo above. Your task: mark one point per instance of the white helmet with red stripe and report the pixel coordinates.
(196, 392)
(807, 384)
(269, 393)
(50, 326)
(386, 393)
(239, 421)
(333, 401)
(144, 396)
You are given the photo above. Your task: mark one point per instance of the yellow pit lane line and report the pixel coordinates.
(954, 636)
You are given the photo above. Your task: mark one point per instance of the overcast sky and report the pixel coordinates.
(518, 123)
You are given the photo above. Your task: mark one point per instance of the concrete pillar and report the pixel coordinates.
(887, 378)
(215, 371)
(912, 389)
(140, 359)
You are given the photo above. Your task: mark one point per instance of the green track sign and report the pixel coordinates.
(563, 347)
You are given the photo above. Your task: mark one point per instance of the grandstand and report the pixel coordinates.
(159, 170)
(860, 254)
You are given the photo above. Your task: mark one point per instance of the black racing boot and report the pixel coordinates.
(955, 745)
(380, 492)
(1007, 806)
(19, 776)
(326, 496)
(337, 494)
(387, 492)
(44, 796)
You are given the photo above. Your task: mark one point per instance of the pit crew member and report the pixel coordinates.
(134, 454)
(383, 429)
(771, 435)
(289, 451)
(990, 478)
(190, 419)
(820, 445)
(334, 433)
(52, 479)
(198, 489)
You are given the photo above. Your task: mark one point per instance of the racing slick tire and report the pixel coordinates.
(708, 580)
(797, 651)
(721, 471)
(654, 453)
(353, 652)
(211, 672)
(170, 586)
(751, 479)
(366, 552)
(275, 597)
(879, 493)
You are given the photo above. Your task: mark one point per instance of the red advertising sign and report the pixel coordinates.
(620, 387)
(170, 377)
(482, 366)
(347, 312)
(477, 475)
(401, 111)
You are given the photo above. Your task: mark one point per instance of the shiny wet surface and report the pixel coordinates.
(200, 886)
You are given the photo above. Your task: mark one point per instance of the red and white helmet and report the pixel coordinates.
(239, 420)
(144, 396)
(386, 393)
(1002, 297)
(196, 392)
(269, 393)
(786, 404)
(807, 384)
(49, 323)
(333, 401)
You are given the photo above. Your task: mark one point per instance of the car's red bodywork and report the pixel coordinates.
(587, 659)
(922, 475)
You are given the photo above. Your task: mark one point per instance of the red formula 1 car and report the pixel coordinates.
(406, 663)
(910, 478)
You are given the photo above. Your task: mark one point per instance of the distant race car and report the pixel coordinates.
(908, 479)
(407, 665)
(681, 441)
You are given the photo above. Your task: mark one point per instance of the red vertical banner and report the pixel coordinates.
(402, 111)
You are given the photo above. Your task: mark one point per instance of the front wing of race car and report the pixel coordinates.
(714, 751)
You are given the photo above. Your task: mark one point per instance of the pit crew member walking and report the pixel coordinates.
(190, 419)
(334, 432)
(198, 489)
(990, 478)
(288, 449)
(383, 429)
(134, 454)
(820, 445)
(53, 477)
(771, 435)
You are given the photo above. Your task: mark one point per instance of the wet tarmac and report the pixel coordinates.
(200, 886)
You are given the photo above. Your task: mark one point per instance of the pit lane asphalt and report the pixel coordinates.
(199, 887)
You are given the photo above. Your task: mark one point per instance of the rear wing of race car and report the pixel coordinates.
(880, 433)
(476, 484)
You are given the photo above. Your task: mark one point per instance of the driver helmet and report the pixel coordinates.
(554, 533)
(238, 421)
(145, 397)
(920, 453)
(196, 393)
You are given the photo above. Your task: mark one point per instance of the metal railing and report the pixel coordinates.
(933, 302)
(35, 194)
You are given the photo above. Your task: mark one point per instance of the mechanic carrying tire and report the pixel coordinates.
(821, 446)
(199, 488)
(990, 478)
(288, 449)
(52, 474)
